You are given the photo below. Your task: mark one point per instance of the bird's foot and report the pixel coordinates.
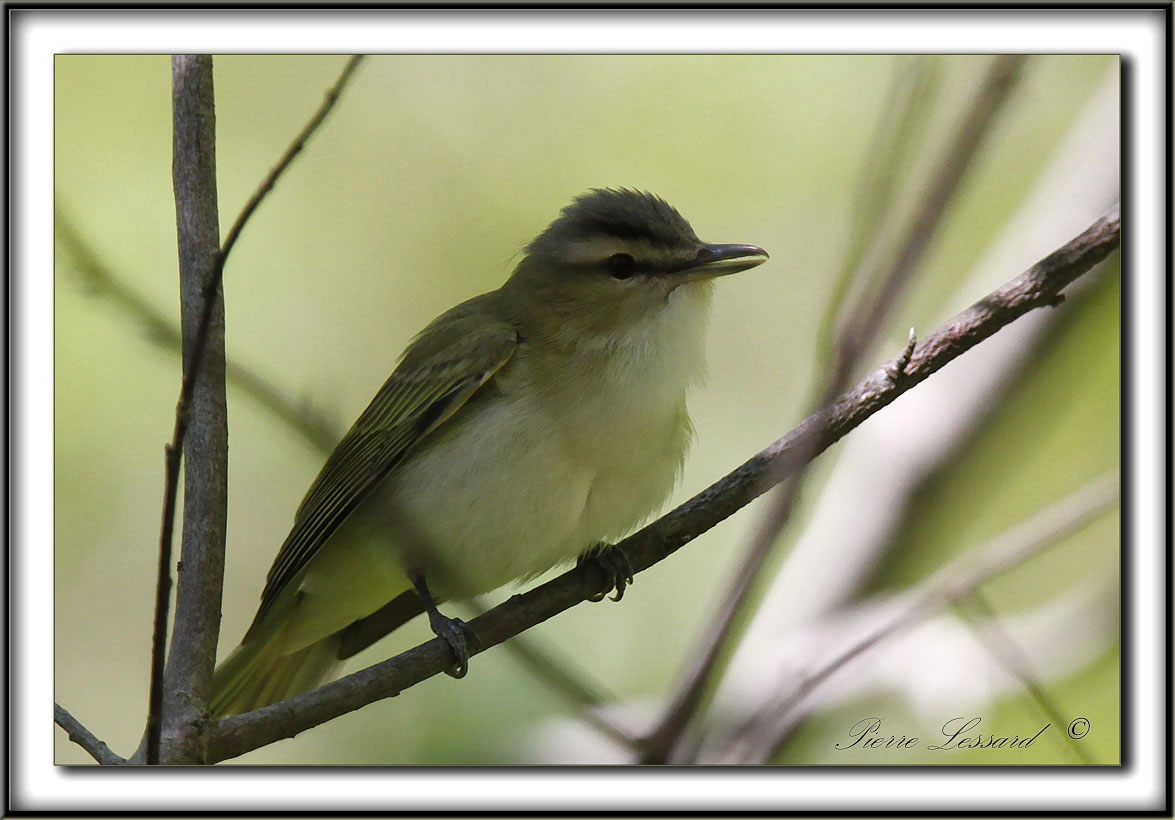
(616, 566)
(452, 631)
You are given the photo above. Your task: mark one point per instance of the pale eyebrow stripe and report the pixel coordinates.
(599, 248)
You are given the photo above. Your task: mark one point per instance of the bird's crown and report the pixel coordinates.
(618, 213)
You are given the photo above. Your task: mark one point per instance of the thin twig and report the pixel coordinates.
(332, 96)
(192, 370)
(1037, 287)
(854, 340)
(1001, 647)
(83, 737)
(953, 583)
(97, 276)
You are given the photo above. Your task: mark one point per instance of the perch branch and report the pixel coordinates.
(853, 341)
(97, 276)
(1039, 286)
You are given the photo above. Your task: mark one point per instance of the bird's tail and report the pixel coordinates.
(258, 673)
(264, 670)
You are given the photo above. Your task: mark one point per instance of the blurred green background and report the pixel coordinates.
(430, 175)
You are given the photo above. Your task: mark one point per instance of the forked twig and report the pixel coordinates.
(192, 370)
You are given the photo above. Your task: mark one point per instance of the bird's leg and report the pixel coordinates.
(451, 630)
(615, 565)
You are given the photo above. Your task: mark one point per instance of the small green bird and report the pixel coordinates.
(520, 429)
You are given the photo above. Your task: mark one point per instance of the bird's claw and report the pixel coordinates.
(616, 566)
(453, 632)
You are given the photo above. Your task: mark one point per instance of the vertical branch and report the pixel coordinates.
(193, 649)
(201, 417)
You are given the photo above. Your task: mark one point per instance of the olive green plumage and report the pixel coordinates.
(518, 430)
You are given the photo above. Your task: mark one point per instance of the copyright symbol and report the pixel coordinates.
(1078, 728)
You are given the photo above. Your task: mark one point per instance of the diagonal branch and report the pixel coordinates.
(1039, 286)
(859, 333)
(83, 737)
(1000, 645)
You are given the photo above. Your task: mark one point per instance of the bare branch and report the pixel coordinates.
(959, 404)
(1036, 287)
(200, 648)
(83, 737)
(201, 430)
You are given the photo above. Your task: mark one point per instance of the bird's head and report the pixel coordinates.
(614, 259)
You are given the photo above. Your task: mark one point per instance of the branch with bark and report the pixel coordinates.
(178, 694)
(83, 737)
(1039, 286)
(178, 697)
(857, 333)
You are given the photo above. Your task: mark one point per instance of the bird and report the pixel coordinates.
(523, 429)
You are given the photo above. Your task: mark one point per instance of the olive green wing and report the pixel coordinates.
(449, 362)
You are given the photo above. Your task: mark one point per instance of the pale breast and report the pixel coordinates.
(561, 451)
(500, 499)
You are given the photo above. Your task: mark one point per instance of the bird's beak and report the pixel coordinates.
(718, 260)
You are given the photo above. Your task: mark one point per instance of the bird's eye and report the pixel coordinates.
(621, 265)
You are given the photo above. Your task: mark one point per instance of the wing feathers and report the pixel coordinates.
(444, 367)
